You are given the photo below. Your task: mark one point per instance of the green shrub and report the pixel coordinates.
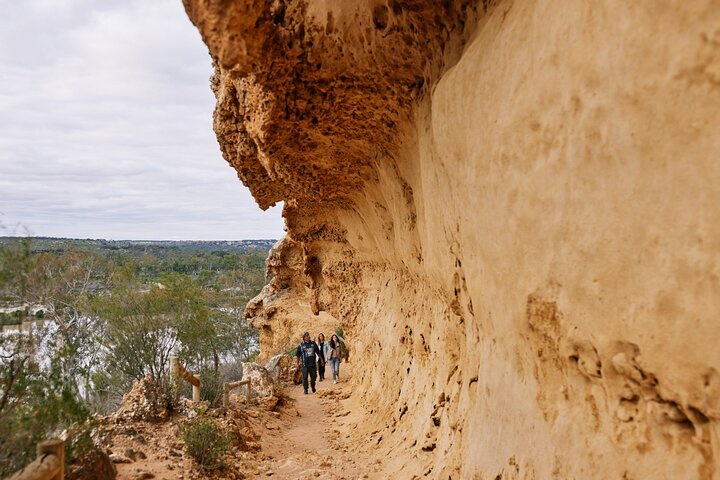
(9, 319)
(344, 352)
(206, 442)
(79, 441)
(211, 386)
(39, 401)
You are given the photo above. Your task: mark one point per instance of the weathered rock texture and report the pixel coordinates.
(281, 368)
(93, 464)
(262, 384)
(512, 207)
(145, 401)
(288, 305)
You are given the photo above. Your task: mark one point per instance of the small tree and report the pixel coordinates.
(143, 325)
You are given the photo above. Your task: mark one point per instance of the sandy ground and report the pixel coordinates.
(307, 439)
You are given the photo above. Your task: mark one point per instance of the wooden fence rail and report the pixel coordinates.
(229, 386)
(49, 465)
(179, 372)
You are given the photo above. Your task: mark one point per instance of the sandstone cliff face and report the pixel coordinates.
(512, 208)
(288, 304)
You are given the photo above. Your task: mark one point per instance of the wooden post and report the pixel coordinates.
(175, 375)
(179, 372)
(229, 386)
(226, 395)
(49, 464)
(196, 390)
(56, 447)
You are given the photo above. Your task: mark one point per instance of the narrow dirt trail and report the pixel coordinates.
(308, 440)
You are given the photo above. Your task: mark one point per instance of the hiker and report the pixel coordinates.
(305, 353)
(321, 365)
(334, 357)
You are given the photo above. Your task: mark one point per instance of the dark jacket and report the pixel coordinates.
(306, 351)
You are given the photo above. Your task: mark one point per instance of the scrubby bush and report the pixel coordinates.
(206, 442)
(9, 319)
(232, 370)
(36, 400)
(211, 386)
(344, 352)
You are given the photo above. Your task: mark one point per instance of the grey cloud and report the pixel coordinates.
(105, 126)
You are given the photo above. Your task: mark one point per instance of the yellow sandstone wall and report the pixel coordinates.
(512, 207)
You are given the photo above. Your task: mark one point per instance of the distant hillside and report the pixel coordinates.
(51, 244)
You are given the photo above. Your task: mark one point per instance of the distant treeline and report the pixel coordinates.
(209, 262)
(41, 244)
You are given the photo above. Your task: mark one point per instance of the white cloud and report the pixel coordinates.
(106, 126)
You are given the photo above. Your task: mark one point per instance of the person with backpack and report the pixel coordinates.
(305, 354)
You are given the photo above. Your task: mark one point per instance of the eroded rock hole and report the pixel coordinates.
(330, 24)
(380, 17)
(395, 6)
(279, 15)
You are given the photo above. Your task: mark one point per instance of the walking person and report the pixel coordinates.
(321, 364)
(334, 357)
(305, 354)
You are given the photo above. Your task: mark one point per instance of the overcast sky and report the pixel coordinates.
(106, 126)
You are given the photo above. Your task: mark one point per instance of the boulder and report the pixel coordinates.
(117, 458)
(94, 464)
(145, 401)
(281, 368)
(261, 383)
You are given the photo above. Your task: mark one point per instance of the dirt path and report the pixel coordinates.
(307, 440)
